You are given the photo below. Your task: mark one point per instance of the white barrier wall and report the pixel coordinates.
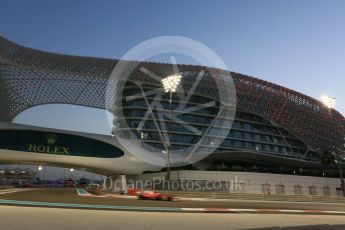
(248, 182)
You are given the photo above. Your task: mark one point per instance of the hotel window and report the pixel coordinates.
(237, 134)
(257, 137)
(238, 144)
(237, 124)
(248, 145)
(247, 126)
(267, 148)
(247, 135)
(227, 143)
(274, 140)
(284, 150)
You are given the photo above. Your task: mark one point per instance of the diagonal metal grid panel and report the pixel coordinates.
(30, 77)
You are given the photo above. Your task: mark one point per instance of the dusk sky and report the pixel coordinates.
(294, 43)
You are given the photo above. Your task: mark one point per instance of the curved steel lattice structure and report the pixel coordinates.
(30, 77)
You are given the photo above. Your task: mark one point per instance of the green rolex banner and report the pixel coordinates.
(56, 143)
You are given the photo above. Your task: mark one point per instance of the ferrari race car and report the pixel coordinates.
(152, 195)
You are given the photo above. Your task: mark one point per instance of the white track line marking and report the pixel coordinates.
(334, 212)
(8, 191)
(194, 209)
(285, 210)
(243, 210)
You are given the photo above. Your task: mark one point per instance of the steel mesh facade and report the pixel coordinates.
(29, 78)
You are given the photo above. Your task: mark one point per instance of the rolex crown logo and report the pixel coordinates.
(51, 138)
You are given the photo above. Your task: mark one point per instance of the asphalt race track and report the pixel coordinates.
(70, 196)
(13, 217)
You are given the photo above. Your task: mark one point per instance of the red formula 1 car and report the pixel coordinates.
(152, 195)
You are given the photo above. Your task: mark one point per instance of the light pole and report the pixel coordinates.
(64, 174)
(170, 85)
(71, 170)
(41, 168)
(330, 103)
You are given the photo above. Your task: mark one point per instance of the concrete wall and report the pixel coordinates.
(248, 182)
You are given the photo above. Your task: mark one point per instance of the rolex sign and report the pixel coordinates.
(56, 143)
